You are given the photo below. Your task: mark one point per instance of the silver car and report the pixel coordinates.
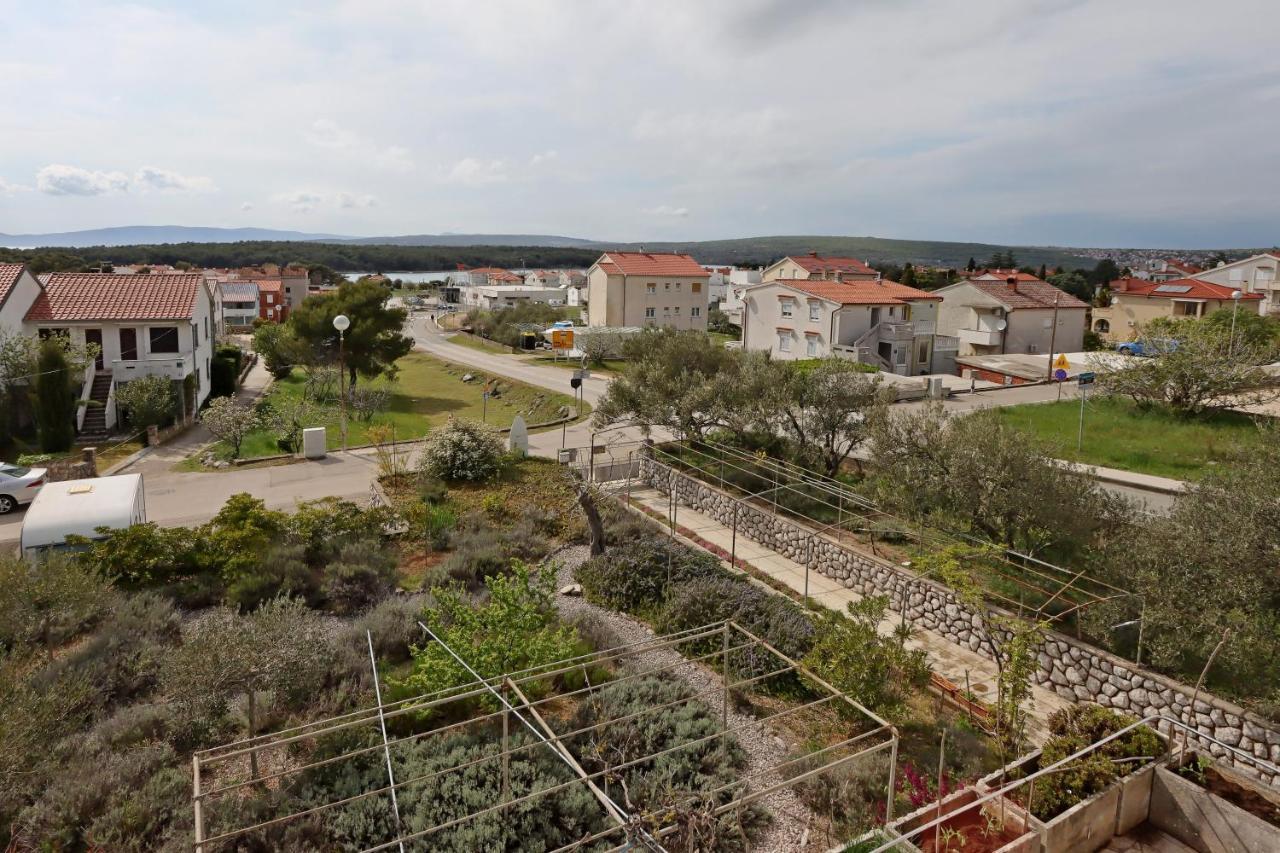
(18, 485)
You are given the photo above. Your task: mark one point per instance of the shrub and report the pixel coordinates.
(144, 555)
(431, 489)
(850, 796)
(223, 373)
(633, 577)
(594, 630)
(55, 399)
(1074, 728)
(430, 524)
(147, 401)
(850, 653)
(281, 571)
(462, 450)
(393, 623)
(49, 606)
(362, 575)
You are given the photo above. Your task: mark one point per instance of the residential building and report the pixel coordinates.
(1256, 274)
(18, 289)
(1136, 302)
(572, 278)
(239, 304)
(815, 266)
(272, 306)
(1010, 312)
(144, 325)
(882, 323)
(542, 278)
(491, 298)
(647, 289)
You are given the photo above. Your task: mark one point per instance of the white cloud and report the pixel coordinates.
(667, 210)
(150, 177)
(246, 206)
(475, 172)
(347, 201)
(7, 188)
(328, 134)
(301, 202)
(61, 179)
(543, 157)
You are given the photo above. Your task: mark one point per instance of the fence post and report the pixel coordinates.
(724, 705)
(733, 541)
(196, 802)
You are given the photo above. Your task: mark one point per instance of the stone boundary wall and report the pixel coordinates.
(1071, 668)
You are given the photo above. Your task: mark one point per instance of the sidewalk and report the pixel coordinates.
(949, 660)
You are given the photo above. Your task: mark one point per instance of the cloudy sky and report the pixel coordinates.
(1134, 123)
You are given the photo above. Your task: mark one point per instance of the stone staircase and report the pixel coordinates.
(95, 416)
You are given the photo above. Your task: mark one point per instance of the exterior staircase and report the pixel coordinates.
(95, 416)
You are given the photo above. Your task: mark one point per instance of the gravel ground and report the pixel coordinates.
(793, 821)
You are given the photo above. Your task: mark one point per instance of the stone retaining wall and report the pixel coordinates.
(1069, 667)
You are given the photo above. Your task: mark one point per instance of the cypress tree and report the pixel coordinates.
(55, 404)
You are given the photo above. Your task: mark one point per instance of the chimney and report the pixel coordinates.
(1120, 284)
(1012, 281)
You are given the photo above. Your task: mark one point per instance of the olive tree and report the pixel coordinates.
(230, 421)
(829, 409)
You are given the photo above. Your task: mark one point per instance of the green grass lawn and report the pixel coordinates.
(427, 391)
(611, 366)
(722, 338)
(478, 344)
(1119, 435)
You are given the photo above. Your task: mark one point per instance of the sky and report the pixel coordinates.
(1142, 123)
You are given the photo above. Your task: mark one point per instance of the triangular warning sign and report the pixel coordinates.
(1061, 363)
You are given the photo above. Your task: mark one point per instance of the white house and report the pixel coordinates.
(880, 323)
(159, 324)
(1251, 275)
(647, 289)
(493, 297)
(1011, 313)
(18, 289)
(239, 303)
(815, 266)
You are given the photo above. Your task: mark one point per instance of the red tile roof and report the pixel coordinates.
(1026, 294)
(9, 274)
(1003, 275)
(1173, 289)
(815, 263)
(882, 292)
(267, 285)
(107, 296)
(652, 263)
(1183, 267)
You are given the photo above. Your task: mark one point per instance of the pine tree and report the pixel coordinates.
(1042, 273)
(971, 266)
(908, 274)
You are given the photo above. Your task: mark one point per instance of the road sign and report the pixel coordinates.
(1061, 363)
(575, 382)
(1059, 374)
(1086, 378)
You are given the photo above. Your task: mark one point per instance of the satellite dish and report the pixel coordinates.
(1002, 324)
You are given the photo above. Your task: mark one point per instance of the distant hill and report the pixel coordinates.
(153, 235)
(541, 240)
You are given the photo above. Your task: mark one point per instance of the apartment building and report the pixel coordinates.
(815, 266)
(1010, 312)
(1136, 302)
(647, 289)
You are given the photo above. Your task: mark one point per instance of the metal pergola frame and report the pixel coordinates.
(632, 831)
(856, 514)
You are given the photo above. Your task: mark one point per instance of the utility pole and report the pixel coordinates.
(1053, 337)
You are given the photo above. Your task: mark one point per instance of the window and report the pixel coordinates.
(812, 346)
(924, 351)
(815, 311)
(649, 312)
(784, 342)
(695, 311)
(270, 299)
(651, 287)
(48, 333)
(676, 310)
(666, 286)
(195, 336)
(696, 287)
(677, 287)
(788, 308)
(164, 339)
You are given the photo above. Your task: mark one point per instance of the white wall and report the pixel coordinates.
(18, 302)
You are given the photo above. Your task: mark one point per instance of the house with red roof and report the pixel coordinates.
(1256, 274)
(1005, 312)
(154, 324)
(273, 305)
(1136, 302)
(815, 266)
(882, 323)
(1165, 269)
(662, 289)
(18, 289)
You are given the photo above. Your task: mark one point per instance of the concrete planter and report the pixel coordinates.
(1207, 822)
(1016, 833)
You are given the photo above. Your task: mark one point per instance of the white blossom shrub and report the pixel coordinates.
(462, 450)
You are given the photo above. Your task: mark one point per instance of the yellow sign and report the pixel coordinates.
(561, 339)
(1061, 363)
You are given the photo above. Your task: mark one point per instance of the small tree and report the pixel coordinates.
(279, 349)
(282, 651)
(147, 401)
(51, 605)
(56, 401)
(829, 410)
(288, 416)
(461, 450)
(598, 346)
(230, 421)
(365, 402)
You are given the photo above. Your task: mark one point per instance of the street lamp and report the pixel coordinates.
(1236, 295)
(342, 322)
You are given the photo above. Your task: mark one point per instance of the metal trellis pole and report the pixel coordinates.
(382, 724)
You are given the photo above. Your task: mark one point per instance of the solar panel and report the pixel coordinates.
(1173, 288)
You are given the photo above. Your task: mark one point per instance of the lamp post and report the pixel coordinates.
(1236, 296)
(342, 322)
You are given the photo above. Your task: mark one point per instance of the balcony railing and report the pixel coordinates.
(979, 337)
(171, 367)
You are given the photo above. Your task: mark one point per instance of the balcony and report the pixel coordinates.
(171, 367)
(898, 331)
(979, 337)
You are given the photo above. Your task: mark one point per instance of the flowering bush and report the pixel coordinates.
(461, 450)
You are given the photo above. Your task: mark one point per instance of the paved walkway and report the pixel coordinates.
(946, 658)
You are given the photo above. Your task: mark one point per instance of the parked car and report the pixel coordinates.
(19, 485)
(1149, 348)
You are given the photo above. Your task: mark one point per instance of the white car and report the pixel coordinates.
(18, 485)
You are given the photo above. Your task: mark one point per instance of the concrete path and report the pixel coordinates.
(949, 660)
